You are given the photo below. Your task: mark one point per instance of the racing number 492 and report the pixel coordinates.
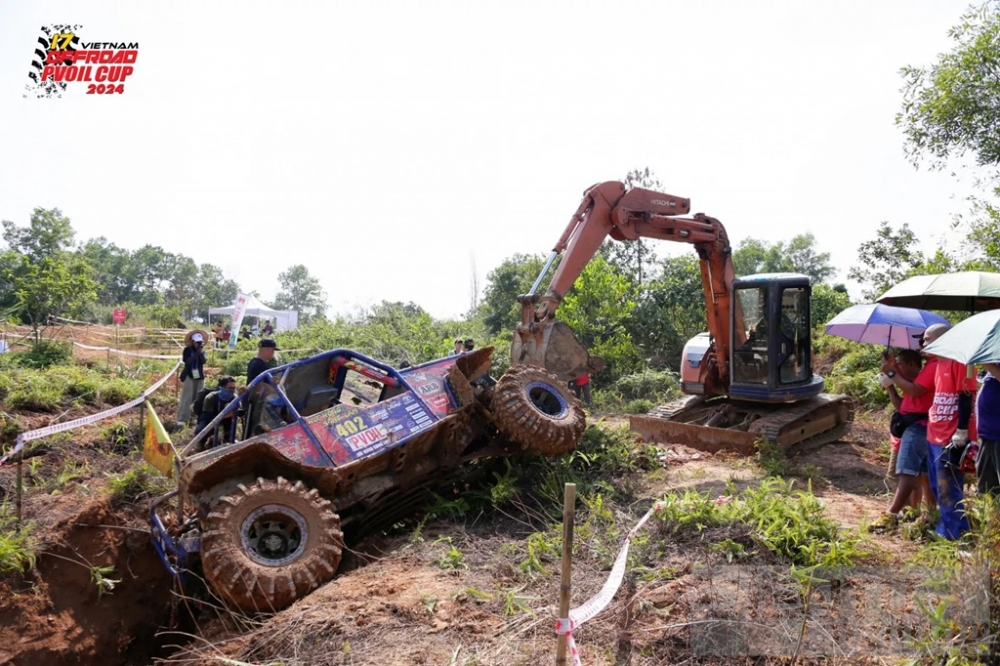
(105, 89)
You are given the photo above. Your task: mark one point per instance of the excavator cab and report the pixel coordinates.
(771, 354)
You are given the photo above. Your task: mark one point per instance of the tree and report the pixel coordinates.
(798, 255)
(749, 257)
(952, 107)
(886, 260)
(499, 307)
(39, 275)
(302, 292)
(826, 303)
(670, 310)
(598, 308)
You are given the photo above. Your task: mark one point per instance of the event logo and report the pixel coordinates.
(61, 58)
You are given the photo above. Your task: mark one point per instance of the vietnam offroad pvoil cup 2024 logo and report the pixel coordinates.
(61, 58)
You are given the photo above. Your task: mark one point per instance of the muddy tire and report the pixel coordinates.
(269, 543)
(534, 408)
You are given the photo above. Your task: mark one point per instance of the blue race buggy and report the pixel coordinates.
(340, 442)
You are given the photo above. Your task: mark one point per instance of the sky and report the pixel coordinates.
(402, 150)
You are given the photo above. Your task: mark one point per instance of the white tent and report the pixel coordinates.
(283, 320)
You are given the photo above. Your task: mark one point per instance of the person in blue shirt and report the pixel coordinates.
(192, 377)
(988, 415)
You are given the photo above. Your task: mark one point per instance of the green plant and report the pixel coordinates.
(137, 483)
(16, 546)
(638, 406)
(514, 604)
(428, 601)
(453, 558)
(99, 576)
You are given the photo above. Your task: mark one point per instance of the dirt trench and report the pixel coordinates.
(61, 613)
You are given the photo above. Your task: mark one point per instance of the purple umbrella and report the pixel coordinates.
(883, 325)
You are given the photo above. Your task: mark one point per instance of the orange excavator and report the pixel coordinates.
(749, 378)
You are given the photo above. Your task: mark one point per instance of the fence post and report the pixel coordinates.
(569, 515)
(20, 485)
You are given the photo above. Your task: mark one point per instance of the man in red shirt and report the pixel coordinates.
(952, 423)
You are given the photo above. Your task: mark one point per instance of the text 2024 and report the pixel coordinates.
(105, 89)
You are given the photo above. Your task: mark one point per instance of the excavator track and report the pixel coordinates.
(733, 425)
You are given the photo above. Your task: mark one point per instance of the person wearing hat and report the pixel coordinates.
(951, 425)
(192, 375)
(458, 348)
(262, 361)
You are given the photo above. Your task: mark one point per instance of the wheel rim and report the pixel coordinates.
(274, 535)
(546, 400)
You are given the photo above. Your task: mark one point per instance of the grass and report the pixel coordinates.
(16, 546)
(787, 522)
(139, 483)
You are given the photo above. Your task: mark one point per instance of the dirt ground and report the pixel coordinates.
(99, 595)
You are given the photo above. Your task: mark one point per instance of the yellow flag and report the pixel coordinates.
(156, 446)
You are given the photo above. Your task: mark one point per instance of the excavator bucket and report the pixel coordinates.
(555, 348)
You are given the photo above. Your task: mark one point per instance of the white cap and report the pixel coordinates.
(197, 338)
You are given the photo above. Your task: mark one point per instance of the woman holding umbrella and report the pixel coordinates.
(903, 371)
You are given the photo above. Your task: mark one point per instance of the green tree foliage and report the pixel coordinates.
(302, 292)
(151, 276)
(40, 275)
(886, 260)
(952, 107)
(499, 308)
(670, 311)
(797, 255)
(599, 308)
(827, 302)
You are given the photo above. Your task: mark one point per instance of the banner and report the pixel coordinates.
(156, 449)
(239, 309)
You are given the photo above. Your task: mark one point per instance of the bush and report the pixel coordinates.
(639, 406)
(45, 354)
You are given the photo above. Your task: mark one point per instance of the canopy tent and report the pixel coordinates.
(283, 320)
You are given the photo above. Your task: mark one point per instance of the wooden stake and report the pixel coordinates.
(569, 515)
(20, 485)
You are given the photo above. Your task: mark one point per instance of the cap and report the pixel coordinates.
(268, 342)
(197, 338)
(934, 332)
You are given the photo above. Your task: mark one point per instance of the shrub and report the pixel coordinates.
(638, 406)
(44, 354)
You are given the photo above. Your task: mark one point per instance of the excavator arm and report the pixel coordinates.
(608, 209)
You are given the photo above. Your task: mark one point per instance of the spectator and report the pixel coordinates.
(262, 361)
(988, 413)
(458, 348)
(217, 334)
(951, 425)
(582, 385)
(245, 332)
(227, 334)
(268, 329)
(192, 376)
(212, 405)
(468, 345)
(903, 371)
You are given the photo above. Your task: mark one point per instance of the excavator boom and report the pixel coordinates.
(609, 209)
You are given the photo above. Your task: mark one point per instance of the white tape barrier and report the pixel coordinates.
(168, 357)
(25, 437)
(591, 607)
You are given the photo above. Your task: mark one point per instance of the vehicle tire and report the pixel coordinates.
(269, 543)
(534, 408)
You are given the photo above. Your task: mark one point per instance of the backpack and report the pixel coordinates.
(199, 401)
